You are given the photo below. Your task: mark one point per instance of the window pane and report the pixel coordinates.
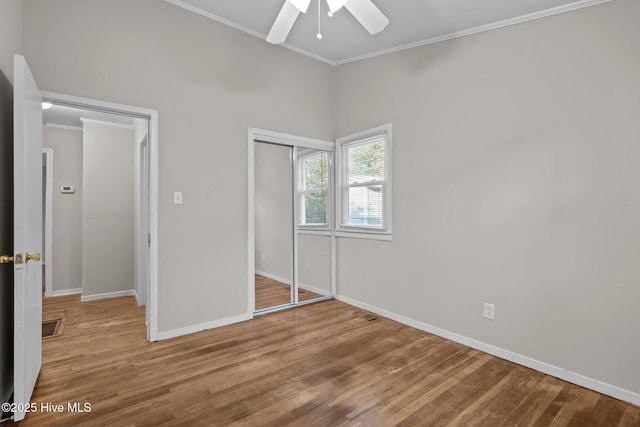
(365, 205)
(366, 162)
(316, 172)
(315, 208)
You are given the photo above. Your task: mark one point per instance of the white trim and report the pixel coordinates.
(127, 293)
(152, 116)
(63, 292)
(370, 235)
(263, 135)
(105, 123)
(202, 12)
(546, 368)
(138, 122)
(48, 224)
(231, 24)
(142, 218)
(488, 27)
(294, 225)
(251, 226)
(140, 303)
(203, 326)
(152, 294)
(55, 125)
(312, 232)
(355, 140)
(95, 104)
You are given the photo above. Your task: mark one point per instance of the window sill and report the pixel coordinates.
(314, 232)
(365, 235)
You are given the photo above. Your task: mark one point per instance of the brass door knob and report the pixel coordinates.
(6, 259)
(35, 257)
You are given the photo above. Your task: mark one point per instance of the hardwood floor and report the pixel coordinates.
(271, 293)
(316, 365)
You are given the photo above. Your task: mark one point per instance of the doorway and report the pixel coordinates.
(142, 126)
(291, 246)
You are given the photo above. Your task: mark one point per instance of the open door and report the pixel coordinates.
(27, 245)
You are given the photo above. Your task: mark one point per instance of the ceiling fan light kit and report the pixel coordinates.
(365, 12)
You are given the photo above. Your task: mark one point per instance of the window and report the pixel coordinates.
(313, 189)
(364, 183)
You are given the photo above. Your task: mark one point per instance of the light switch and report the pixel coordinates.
(177, 197)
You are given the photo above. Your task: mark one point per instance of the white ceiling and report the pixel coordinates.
(412, 22)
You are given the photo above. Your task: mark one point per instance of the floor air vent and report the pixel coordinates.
(52, 328)
(364, 315)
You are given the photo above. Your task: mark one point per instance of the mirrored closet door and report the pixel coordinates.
(273, 225)
(291, 214)
(313, 222)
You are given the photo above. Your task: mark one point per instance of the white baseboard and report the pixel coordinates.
(288, 282)
(314, 289)
(202, 326)
(274, 277)
(554, 371)
(128, 292)
(63, 292)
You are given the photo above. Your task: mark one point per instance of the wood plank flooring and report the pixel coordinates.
(271, 293)
(316, 365)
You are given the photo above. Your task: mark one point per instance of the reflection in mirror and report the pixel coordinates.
(314, 266)
(313, 223)
(273, 225)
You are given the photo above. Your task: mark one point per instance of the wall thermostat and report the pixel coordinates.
(67, 189)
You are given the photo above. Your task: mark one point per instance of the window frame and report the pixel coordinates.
(326, 227)
(342, 229)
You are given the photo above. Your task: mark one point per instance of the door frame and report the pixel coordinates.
(152, 138)
(278, 138)
(48, 224)
(142, 146)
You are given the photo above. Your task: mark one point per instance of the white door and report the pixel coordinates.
(27, 243)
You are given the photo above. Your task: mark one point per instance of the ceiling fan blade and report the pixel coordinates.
(283, 24)
(301, 5)
(368, 15)
(335, 5)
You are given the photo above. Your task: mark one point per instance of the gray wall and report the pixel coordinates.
(10, 43)
(274, 210)
(67, 208)
(107, 209)
(516, 177)
(10, 34)
(209, 83)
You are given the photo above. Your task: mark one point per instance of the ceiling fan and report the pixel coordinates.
(364, 11)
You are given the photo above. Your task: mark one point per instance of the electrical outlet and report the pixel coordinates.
(489, 311)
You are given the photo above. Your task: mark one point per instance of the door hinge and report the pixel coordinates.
(149, 240)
